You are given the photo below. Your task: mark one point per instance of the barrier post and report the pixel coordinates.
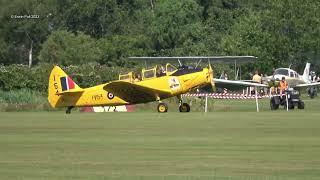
(256, 94)
(206, 104)
(287, 102)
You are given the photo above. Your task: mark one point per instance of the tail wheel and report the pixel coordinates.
(184, 107)
(162, 107)
(68, 111)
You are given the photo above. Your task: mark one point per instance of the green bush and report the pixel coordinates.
(16, 77)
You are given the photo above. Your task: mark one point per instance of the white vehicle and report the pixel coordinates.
(296, 80)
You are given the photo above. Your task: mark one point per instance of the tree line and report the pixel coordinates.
(106, 32)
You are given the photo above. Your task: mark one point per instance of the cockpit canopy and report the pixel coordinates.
(156, 71)
(286, 72)
(170, 69)
(126, 77)
(281, 71)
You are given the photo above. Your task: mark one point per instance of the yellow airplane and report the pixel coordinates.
(154, 84)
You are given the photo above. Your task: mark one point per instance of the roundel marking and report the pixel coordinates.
(110, 95)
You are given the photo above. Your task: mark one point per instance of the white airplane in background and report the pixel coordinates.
(296, 80)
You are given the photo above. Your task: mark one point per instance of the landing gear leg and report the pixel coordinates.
(68, 111)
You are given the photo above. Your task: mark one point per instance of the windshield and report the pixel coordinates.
(149, 73)
(281, 72)
(124, 77)
(170, 68)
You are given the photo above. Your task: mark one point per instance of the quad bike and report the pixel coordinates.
(293, 100)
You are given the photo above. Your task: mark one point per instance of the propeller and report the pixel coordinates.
(213, 86)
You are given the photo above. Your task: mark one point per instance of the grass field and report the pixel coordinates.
(220, 145)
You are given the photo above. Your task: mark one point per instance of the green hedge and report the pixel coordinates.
(17, 77)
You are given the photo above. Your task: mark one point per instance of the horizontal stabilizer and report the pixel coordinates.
(71, 91)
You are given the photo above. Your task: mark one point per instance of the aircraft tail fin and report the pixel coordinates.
(60, 86)
(306, 72)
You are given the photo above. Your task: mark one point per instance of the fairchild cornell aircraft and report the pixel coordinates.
(295, 80)
(153, 84)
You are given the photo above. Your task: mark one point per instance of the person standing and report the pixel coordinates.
(283, 85)
(257, 78)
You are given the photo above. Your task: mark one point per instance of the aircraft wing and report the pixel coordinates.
(232, 84)
(308, 84)
(135, 93)
(215, 59)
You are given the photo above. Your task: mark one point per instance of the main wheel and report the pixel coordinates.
(301, 105)
(162, 107)
(184, 107)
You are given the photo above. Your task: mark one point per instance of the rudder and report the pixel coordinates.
(60, 84)
(306, 72)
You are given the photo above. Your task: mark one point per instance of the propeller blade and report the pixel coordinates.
(213, 86)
